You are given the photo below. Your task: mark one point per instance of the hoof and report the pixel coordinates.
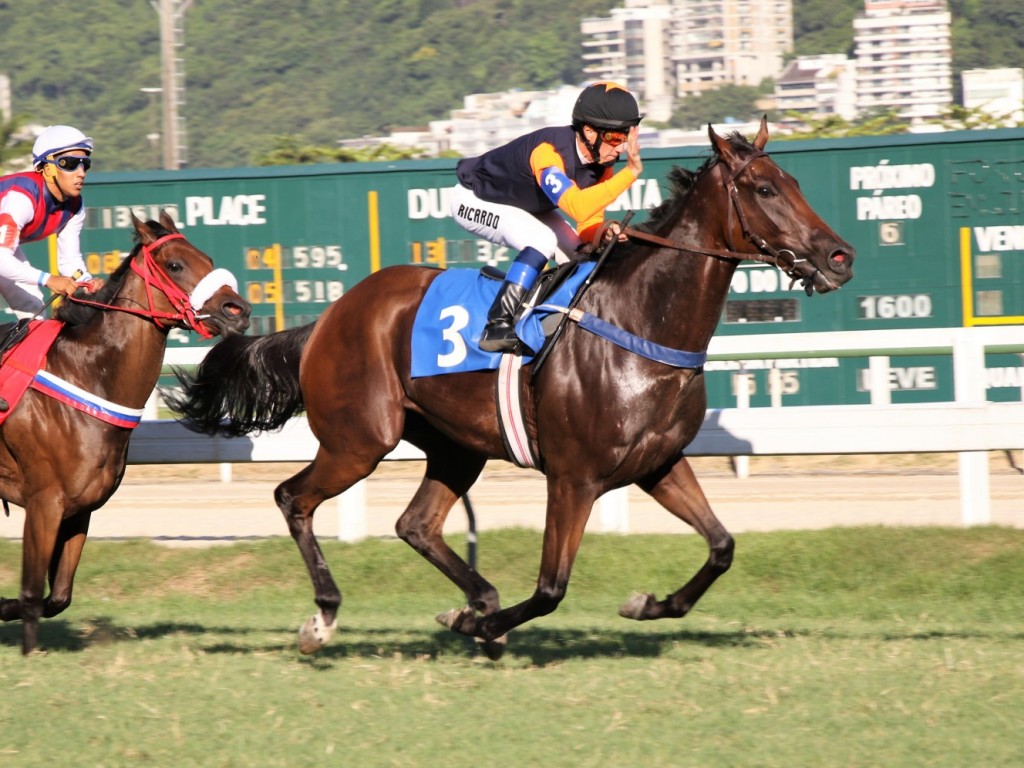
(461, 620)
(636, 607)
(494, 649)
(315, 633)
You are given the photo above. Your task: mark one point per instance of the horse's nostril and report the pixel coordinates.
(839, 260)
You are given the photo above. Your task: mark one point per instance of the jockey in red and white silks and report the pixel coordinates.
(38, 203)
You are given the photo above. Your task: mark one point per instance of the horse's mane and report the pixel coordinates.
(683, 182)
(74, 314)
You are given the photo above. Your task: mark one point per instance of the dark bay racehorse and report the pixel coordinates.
(59, 463)
(603, 417)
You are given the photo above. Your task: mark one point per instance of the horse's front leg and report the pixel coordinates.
(42, 523)
(676, 488)
(67, 553)
(568, 509)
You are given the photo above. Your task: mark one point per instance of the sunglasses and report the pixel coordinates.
(613, 138)
(70, 163)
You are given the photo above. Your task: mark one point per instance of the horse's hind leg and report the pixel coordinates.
(676, 488)
(298, 498)
(450, 472)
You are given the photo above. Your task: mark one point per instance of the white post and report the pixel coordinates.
(150, 411)
(741, 464)
(614, 507)
(969, 387)
(352, 513)
(775, 385)
(878, 380)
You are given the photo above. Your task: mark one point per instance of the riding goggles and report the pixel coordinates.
(70, 163)
(613, 138)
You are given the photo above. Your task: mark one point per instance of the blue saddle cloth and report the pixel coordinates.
(452, 315)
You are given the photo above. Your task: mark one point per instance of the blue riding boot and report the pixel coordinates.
(500, 334)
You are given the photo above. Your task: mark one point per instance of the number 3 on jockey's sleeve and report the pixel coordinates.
(555, 183)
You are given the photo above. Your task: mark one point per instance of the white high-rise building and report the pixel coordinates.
(661, 49)
(723, 42)
(631, 47)
(904, 59)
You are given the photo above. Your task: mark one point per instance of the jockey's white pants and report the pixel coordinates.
(513, 227)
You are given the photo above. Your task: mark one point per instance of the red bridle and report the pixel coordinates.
(154, 277)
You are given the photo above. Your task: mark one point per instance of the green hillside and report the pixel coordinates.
(320, 70)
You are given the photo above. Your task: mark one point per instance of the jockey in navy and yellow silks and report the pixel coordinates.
(515, 195)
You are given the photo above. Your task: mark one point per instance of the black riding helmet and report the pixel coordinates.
(606, 105)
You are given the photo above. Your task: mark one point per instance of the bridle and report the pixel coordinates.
(784, 259)
(156, 278)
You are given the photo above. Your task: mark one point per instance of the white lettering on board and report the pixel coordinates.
(230, 210)
(1000, 238)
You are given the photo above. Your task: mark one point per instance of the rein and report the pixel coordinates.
(784, 259)
(155, 277)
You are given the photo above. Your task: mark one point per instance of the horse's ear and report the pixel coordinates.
(721, 146)
(167, 222)
(145, 234)
(762, 133)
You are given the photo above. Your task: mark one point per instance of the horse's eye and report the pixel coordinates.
(174, 266)
(764, 190)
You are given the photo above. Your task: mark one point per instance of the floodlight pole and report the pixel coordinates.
(172, 78)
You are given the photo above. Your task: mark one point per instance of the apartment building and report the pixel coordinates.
(721, 42)
(816, 87)
(999, 92)
(631, 47)
(661, 49)
(904, 58)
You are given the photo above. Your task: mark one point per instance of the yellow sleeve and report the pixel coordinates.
(584, 206)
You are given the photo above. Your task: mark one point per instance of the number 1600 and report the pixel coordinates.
(895, 307)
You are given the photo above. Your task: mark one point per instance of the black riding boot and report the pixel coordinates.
(500, 334)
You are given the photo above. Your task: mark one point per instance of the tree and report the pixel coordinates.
(730, 102)
(288, 151)
(15, 150)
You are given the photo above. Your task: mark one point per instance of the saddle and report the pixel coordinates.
(23, 349)
(548, 282)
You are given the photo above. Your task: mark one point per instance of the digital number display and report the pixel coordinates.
(448, 253)
(762, 311)
(303, 291)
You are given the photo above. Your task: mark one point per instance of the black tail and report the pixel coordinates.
(245, 384)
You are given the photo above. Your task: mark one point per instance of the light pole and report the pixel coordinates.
(154, 134)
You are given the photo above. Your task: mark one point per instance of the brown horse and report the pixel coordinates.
(61, 463)
(603, 417)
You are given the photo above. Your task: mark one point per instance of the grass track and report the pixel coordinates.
(845, 647)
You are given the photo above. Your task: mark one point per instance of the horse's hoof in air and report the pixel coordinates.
(461, 620)
(493, 649)
(636, 606)
(315, 633)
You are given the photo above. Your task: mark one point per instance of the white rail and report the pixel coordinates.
(970, 426)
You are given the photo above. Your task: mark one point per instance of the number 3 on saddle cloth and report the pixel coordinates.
(23, 365)
(449, 323)
(451, 317)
